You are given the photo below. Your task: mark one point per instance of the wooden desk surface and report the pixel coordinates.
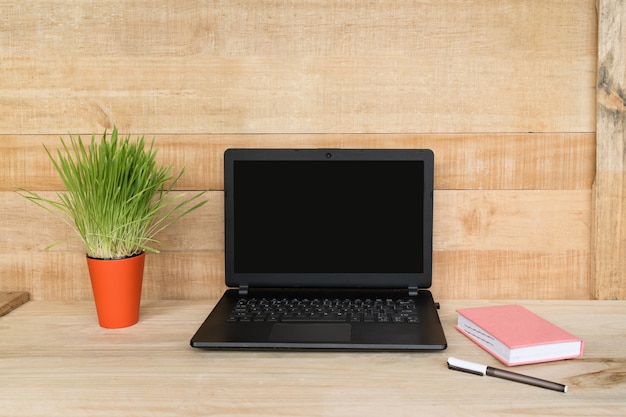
(56, 361)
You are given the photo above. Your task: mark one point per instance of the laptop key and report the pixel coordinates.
(369, 318)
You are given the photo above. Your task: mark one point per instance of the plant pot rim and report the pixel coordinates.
(121, 258)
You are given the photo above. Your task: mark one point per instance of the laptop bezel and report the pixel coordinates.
(313, 280)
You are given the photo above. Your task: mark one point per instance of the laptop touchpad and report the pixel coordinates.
(311, 333)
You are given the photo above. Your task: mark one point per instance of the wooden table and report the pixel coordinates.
(56, 361)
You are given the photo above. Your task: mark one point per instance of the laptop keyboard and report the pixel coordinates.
(293, 310)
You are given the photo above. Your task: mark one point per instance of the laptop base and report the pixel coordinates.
(218, 333)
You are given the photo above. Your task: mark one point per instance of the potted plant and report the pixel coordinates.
(118, 199)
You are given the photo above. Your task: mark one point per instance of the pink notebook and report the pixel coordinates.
(517, 336)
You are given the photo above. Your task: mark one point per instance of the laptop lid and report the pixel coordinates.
(328, 218)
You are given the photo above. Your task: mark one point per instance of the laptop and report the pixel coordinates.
(326, 249)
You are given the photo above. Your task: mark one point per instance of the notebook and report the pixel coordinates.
(349, 230)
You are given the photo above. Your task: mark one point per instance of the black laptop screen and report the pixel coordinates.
(332, 218)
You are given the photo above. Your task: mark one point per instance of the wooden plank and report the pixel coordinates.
(290, 28)
(259, 95)
(11, 300)
(550, 161)
(609, 262)
(57, 362)
(512, 274)
(513, 243)
(298, 67)
(509, 274)
(541, 221)
(463, 220)
(27, 226)
(64, 275)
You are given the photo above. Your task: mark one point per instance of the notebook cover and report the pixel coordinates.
(516, 327)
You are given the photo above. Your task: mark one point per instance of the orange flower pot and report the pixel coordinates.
(116, 285)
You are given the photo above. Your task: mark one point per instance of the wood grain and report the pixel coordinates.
(57, 361)
(550, 161)
(294, 67)
(609, 262)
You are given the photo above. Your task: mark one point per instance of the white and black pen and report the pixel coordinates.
(482, 370)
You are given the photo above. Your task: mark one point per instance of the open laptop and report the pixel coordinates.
(326, 249)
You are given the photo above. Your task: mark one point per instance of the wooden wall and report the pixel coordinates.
(503, 92)
(608, 241)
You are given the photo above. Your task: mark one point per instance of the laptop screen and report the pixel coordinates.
(328, 218)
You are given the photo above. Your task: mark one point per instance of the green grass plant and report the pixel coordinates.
(118, 197)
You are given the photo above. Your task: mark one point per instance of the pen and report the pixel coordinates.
(482, 370)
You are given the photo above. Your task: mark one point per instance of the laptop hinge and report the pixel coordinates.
(412, 291)
(243, 290)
